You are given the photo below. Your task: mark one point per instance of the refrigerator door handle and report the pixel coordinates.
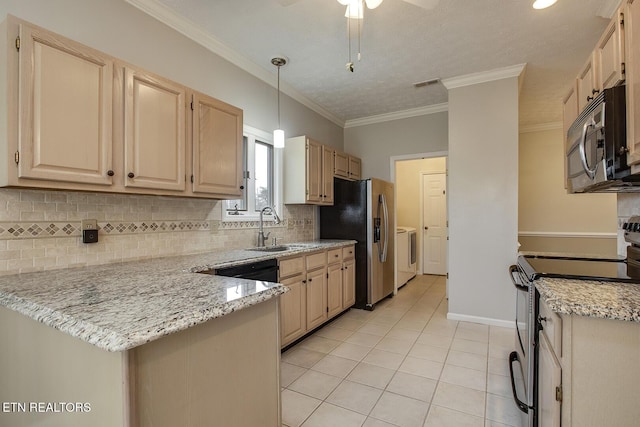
(385, 210)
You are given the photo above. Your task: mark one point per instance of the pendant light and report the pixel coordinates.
(543, 4)
(278, 134)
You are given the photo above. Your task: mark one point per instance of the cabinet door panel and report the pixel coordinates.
(65, 114)
(348, 284)
(632, 58)
(314, 171)
(217, 147)
(327, 175)
(610, 55)
(586, 84)
(334, 289)
(549, 378)
(154, 132)
(341, 164)
(316, 298)
(355, 168)
(292, 310)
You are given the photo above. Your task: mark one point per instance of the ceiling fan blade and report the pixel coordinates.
(425, 4)
(286, 3)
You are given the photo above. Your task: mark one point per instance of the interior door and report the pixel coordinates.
(434, 213)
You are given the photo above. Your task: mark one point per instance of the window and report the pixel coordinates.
(262, 180)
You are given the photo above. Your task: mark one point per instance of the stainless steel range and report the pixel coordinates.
(523, 362)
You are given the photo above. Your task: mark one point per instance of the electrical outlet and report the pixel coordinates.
(89, 230)
(89, 224)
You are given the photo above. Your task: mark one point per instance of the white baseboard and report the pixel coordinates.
(483, 320)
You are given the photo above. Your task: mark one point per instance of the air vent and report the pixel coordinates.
(426, 83)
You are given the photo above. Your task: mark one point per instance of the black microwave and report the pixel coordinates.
(597, 147)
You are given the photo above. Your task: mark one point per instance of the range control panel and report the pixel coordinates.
(632, 230)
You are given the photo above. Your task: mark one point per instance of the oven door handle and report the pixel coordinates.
(513, 270)
(513, 357)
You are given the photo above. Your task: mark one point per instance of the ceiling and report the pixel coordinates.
(401, 44)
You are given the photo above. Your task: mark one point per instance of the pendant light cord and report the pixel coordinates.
(279, 97)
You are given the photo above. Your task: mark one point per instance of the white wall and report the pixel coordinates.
(483, 200)
(123, 31)
(376, 143)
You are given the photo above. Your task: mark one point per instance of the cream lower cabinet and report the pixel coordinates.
(348, 277)
(334, 282)
(597, 362)
(316, 285)
(321, 286)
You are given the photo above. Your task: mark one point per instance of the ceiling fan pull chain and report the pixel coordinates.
(360, 29)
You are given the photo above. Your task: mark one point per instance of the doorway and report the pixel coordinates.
(407, 172)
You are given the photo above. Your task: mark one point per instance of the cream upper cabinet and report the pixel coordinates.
(327, 175)
(304, 157)
(64, 110)
(355, 168)
(341, 164)
(632, 58)
(587, 83)
(154, 131)
(609, 54)
(78, 119)
(217, 147)
(314, 171)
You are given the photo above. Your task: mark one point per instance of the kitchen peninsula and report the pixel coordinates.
(144, 343)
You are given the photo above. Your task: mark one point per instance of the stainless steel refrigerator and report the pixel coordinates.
(364, 211)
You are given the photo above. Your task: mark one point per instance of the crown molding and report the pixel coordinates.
(608, 8)
(541, 127)
(483, 76)
(188, 28)
(397, 115)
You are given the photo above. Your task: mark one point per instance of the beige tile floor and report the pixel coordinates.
(403, 364)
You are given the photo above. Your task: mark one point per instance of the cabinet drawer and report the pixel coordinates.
(349, 252)
(290, 266)
(334, 255)
(316, 260)
(552, 327)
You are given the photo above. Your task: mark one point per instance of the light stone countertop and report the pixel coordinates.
(606, 300)
(117, 307)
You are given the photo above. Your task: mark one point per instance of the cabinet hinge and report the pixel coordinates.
(559, 393)
(623, 68)
(622, 18)
(191, 105)
(192, 179)
(16, 157)
(18, 43)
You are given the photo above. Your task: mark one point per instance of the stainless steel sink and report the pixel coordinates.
(279, 248)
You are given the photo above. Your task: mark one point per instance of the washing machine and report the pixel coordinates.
(406, 264)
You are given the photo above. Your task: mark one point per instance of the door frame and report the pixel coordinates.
(392, 174)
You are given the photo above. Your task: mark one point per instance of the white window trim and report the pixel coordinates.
(265, 137)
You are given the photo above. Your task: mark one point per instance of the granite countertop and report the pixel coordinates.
(121, 306)
(606, 300)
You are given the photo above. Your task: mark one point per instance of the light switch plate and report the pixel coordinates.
(89, 224)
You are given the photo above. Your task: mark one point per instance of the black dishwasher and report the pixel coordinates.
(266, 270)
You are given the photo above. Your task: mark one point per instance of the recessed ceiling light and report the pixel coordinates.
(542, 4)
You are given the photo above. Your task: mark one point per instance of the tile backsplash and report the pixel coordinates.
(40, 229)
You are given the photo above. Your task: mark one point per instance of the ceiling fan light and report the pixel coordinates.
(372, 4)
(543, 4)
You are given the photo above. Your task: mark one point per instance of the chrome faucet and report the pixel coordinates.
(276, 219)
